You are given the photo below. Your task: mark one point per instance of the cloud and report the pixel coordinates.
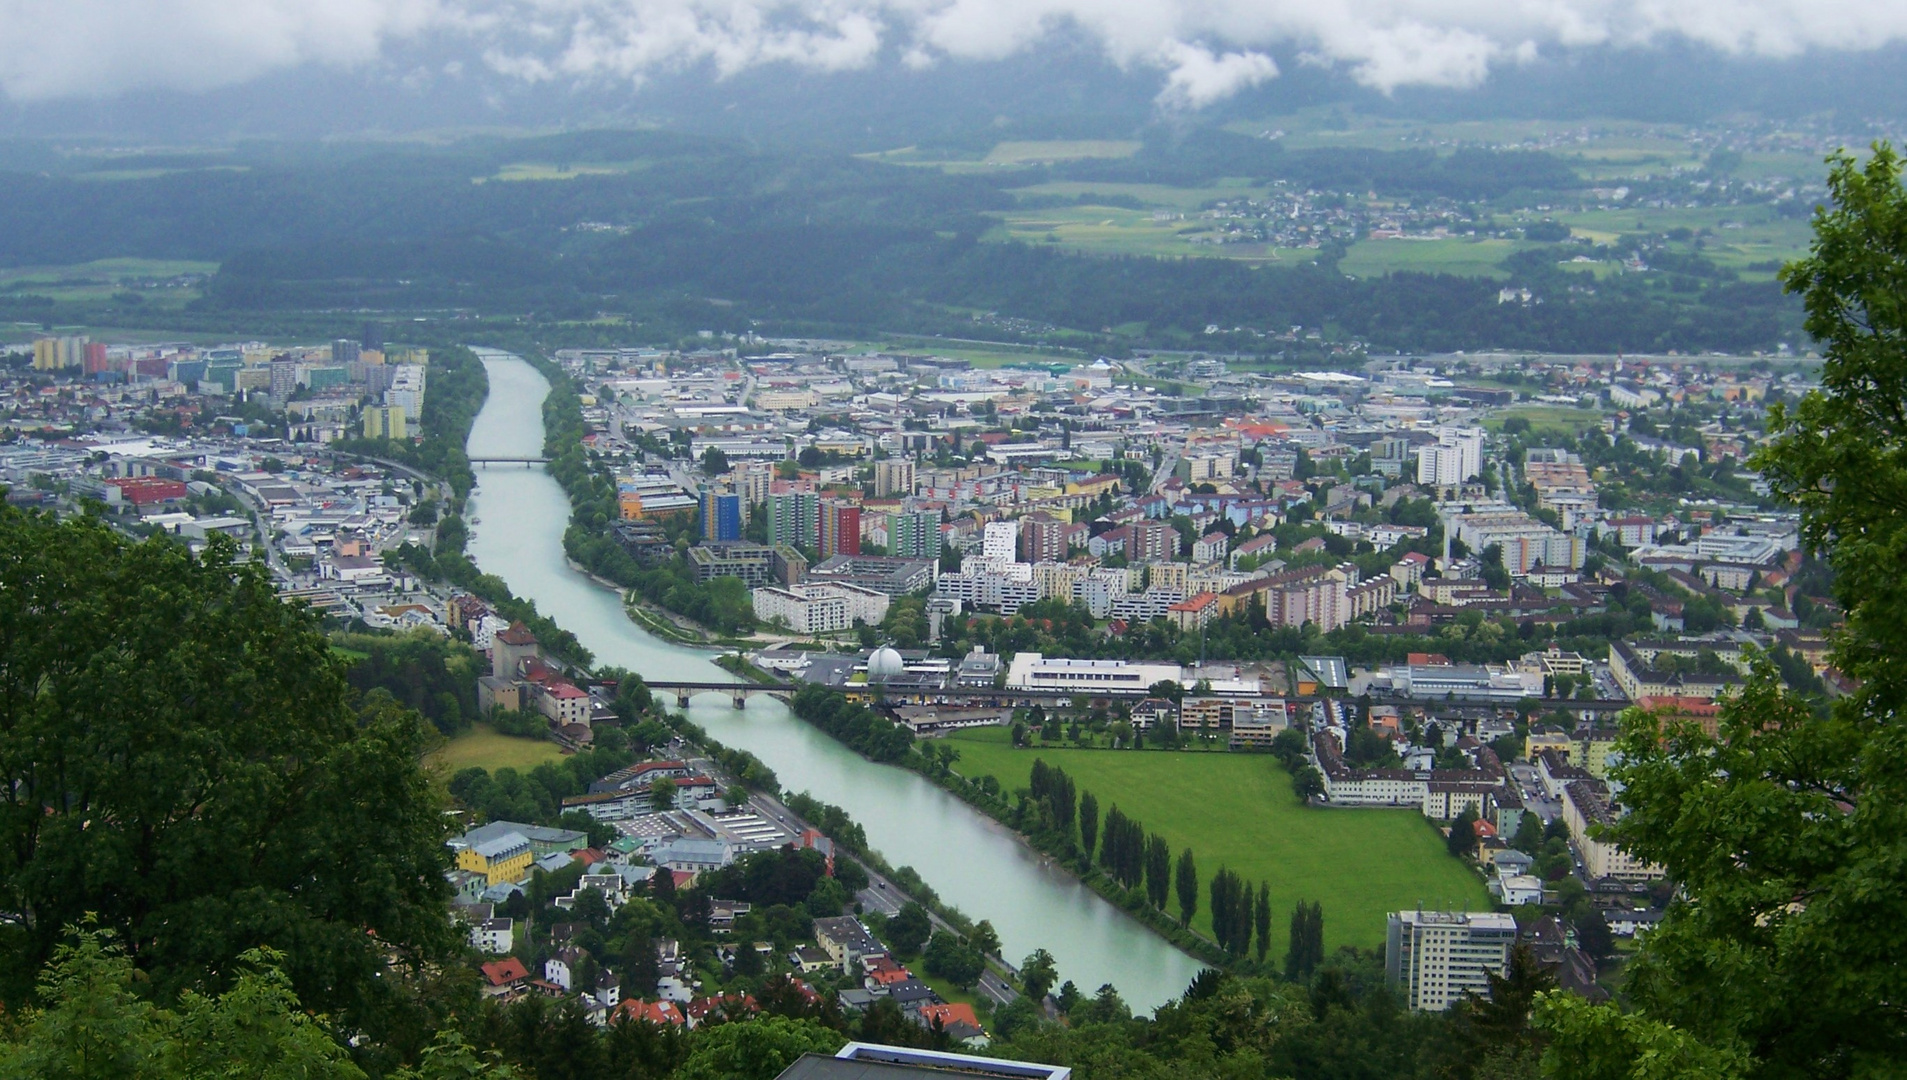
(1205, 49)
(96, 48)
(1197, 77)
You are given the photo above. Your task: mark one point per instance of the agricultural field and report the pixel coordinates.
(159, 281)
(546, 170)
(1033, 153)
(1750, 240)
(1118, 230)
(1237, 810)
(1469, 258)
(482, 746)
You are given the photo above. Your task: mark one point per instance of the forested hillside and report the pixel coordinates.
(680, 234)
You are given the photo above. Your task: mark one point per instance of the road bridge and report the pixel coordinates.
(738, 692)
(523, 461)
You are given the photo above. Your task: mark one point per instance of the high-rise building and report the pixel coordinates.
(840, 530)
(1435, 958)
(384, 422)
(373, 337)
(56, 353)
(407, 390)
(794, 519)
(894, 476)
(914, 535)
(1043, 538)
(721, 516)
(1000, 542)
(751, 480)
(344, 351)
(1151, 541)
(96, 358)
(284, 377)
(1455, 457)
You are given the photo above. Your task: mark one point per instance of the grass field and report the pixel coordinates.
(1026, 153)
(1237, 810)
(544, 170)
(1547, 419)
(483, 747)
(1154, 195)
(1118, 230)
(102, 278)
(1470, 258)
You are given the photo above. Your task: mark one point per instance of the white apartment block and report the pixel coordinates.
(406, 390)
(1436, 958)
(1586, 807)
(819, 609)
(1456, 456)
(1000, 541)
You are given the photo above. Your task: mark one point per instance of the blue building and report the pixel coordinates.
(721, 516)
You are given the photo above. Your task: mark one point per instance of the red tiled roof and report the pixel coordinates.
(505, 971)
(655, 1012)
(948, 1014)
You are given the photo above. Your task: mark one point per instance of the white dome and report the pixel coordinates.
(885, 664)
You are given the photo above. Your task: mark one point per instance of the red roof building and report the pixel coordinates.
(653, 1012)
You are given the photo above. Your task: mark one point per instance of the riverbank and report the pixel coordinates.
(1057, 850)
(963, 855)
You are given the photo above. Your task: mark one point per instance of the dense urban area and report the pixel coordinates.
(1427, 583)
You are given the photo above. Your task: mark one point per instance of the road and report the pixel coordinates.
(882, 894)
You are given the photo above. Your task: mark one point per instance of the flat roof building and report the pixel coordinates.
(1436, 958)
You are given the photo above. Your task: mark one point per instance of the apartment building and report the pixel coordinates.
(1433, 959)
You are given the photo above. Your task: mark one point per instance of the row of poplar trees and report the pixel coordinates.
(1241, 914)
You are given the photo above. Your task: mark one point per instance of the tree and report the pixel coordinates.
(662, 794)
(1038, 973)
(1262, 920)
(907, 931)
(94, 1024)
(1186, 881)
(985, 938)
(161, 713)
(760, 1049)
(1305, 949)
(1088, 824)
(1158, 871)
(955, 960)
(1592, 933)
(1783, 960)
(1462, 840)
(714, 462)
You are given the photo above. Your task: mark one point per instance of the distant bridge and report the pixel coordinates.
(524, 461)
(738, 692)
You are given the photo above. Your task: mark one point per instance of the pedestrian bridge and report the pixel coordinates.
(738, 692)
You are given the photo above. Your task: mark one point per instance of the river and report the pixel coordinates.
(971, 861)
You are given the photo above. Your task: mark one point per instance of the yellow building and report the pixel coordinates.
(385, 422)
(1550, 738)
(46, 354)
(506, 858)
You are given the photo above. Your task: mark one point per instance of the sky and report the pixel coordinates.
(1194, 52)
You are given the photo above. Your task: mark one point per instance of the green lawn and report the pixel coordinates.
(1471, 258)
(484, 747)
(1237, 810)
(1039, 152)
(1548, 419)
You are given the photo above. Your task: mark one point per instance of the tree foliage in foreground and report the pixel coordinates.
(1787, 831)
(182, 762)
